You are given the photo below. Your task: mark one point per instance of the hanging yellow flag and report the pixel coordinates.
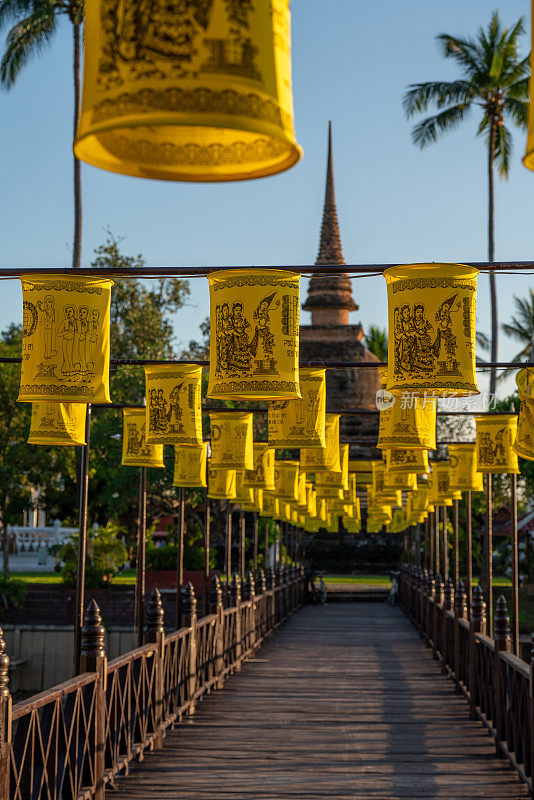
(431, 343)
(464, 474)
(524, 443)
(286, 477)
(408, 423)
(262, 476)
(254, 343)
(405, 481)
(135, 450)
(271, 506)
(189, 91)
(190, 464)
(350, 494)
(244, 494)
(232, 440)
(496, 435)
(327, 458)
(302, 500)
(222, 484)
(57, 423)
(65, 339)
(311, 496)
(173, 413)
(301, 423)
(351, 525)
(400, 461)
(335, 480)
(442, 492)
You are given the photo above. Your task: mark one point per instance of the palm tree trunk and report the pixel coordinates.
(77, 244)
(491, 256)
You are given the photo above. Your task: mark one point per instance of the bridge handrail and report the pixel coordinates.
(498, 685)
(78, 737)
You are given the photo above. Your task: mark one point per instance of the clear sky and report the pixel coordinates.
(352, 60)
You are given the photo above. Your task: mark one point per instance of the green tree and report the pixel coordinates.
(34, 24)
(22, 466)
(142, 317)
(494, 79)
(376, 341)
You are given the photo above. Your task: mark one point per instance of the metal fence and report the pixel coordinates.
(73, 741)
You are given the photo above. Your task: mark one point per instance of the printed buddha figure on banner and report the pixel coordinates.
(65, 339)
(254, 344)
(415, 351)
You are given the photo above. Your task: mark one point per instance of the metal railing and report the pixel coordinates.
(498, 685)
(73, 741)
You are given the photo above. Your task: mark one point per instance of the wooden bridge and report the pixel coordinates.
(343, 701)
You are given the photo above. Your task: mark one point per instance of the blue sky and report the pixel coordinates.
(352, 60)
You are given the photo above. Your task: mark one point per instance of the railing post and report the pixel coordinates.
(216, 607)
(448, 605)
(531, 694)
(460, 612)
(438, 600)
(5, 721)
(260, 582)
(503, 643)
(155, 634)
(477, 625)
(189, 606)
(430, 599)
(249, 595)
(235, 599)
(93, 659)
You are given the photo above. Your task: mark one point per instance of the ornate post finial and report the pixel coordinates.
(93, 632)
(215, 594)
(235, 590)
(155, 615)
(260, 582)
(248, 588)
(501, 626)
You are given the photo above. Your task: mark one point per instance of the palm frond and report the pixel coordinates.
(517, 111)
(429, 130)
(420, 95)
(29, 37)
(12, 10)
(464, 51)
(519, 89)
(483, 340)
(503, 150)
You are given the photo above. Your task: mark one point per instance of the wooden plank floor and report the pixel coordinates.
(344, 702)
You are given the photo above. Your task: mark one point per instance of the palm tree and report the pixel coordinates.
(494, 79)
(376, 341)
(34, 23)
(521, 327)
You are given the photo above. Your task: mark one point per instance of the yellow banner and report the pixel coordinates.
(431, 342)
(65, 339)
(232, 440)
(262, 476)
(324, 458)
(496, 435)
(271, 506)
(254, 342)
(190, 465)
(464, 474)
(135, 450)
(221, 483)
(57, 423)
(301, 423)
(409, 423)
(173, 412)
(188, 91)
(286, 477)
(244, 494)
(524, 443)
(408, 460)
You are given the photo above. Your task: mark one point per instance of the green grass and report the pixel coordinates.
(126, 578)
(376, 580)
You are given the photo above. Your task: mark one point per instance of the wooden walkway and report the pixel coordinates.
(345, 702)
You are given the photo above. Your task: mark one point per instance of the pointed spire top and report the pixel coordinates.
(330, 250)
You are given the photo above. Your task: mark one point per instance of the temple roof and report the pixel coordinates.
(330, 291)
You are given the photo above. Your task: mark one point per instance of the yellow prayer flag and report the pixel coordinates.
(300, 423)
(173, 412)
(65, 339)
(57, 423)
(135, 450)
(254, 342)
(190, 464)
(232, 440)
